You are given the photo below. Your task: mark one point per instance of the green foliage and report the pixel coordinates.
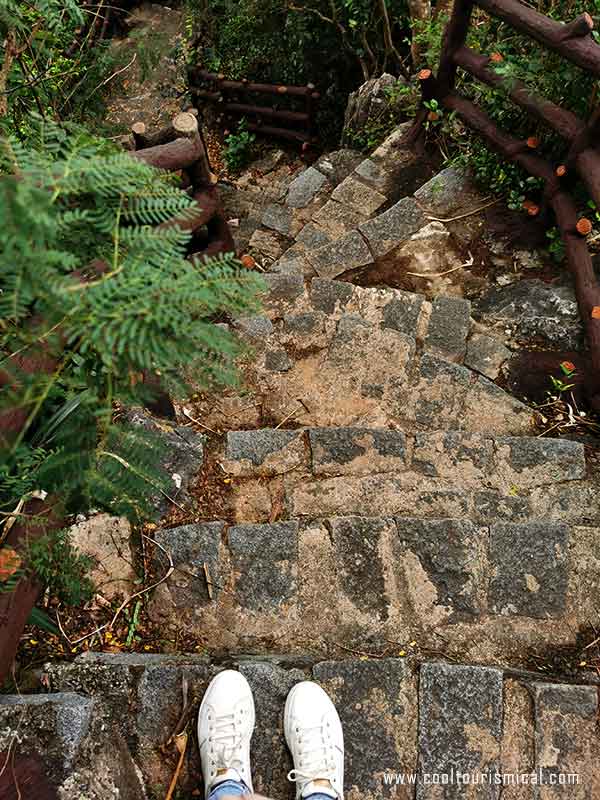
(66, 200)
(401, 103)
(545, 73)
(60, 568)
(45, 71)
(334, 45)
(238, 152)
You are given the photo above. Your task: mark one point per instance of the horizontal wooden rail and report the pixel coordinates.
(572, 40)
(564, 122)
(260, 88)
(265, 111)
(511, 148)
(284, 133)
(580, 262)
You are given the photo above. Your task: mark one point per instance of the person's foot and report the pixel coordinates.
(313, 733)
(225, 726)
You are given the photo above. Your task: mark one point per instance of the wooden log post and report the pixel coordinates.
(573, 40)
(185, 125)
(454, 38)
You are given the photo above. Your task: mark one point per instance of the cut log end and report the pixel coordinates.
(424, 74)
(584, 226)
(138, 129)
(561, 170)
(531, 208)
(533, 142)
(496, 58)
(185, 124)
(282, 89)
(595, 313)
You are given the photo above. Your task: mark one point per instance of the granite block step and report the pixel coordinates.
(494, 589)
(413, 728)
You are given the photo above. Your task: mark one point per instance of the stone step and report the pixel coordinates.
(492, 590)
(320, 472)
(410, 728)
(332, 353)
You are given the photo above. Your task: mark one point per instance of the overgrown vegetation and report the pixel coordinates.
(238, 151)
(51, 63)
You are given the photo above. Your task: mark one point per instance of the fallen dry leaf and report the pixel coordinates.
(9, 563)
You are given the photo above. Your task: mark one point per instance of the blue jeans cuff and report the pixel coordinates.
(228, 787)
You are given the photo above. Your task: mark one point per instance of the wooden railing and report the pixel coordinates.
(581, 161)
(235, 99)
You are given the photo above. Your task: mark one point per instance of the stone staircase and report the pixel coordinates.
(437, 731)
(392, 528)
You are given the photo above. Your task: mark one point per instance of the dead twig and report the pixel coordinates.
(466, 214)
(468, 263)
(125, 603)
(186, 413)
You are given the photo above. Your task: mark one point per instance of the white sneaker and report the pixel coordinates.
(225, 726)
(313, 733)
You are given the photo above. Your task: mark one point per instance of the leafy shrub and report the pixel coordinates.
(43, 68)
(68, 201)
(278, 42)
(239, 148)
(545, 73)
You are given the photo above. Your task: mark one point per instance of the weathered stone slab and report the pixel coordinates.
(191, 547)
(566, 741)
(338, 164)
(486, 355)
(265, 559)
(303, 189)
(283, 287)
(357, 542)
(277, 361)
(180, 453)
(264, 452)
(328, 296)
(460, 730)
(451, 554)
(402, 313)
(449, 327)
(490, 505)
(352, 192)
(356, 451)
(463, 459)
(271, 760)
(447, 193)
(60, 746)
(349, 252)
(267, 244)
(56, 722)
(376, 701)
(304, 324)
(255, 329)
(372, 495)
(529, 461)
(387, 230)
(530, 563)
(438, 397)
(278, 218)
(518, 747)
(534, 310)
(312, 236)
(293, 263)
(106, 541)
(337, 219)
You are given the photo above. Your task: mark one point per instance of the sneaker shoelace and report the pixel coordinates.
(225, 743)
(314, 757)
